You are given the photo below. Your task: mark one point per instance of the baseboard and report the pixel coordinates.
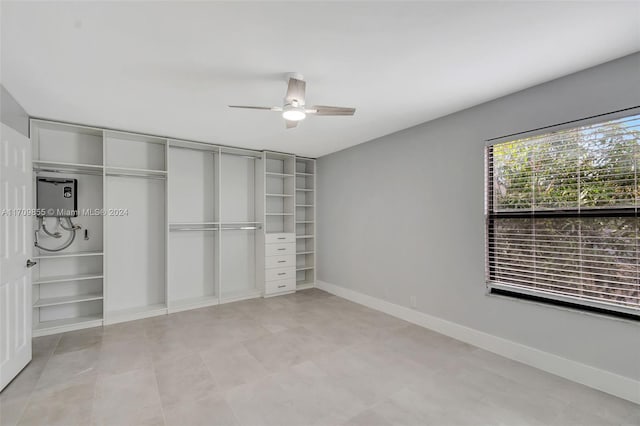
(605, 381)
(134, 314)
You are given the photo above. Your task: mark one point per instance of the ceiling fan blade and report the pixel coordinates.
(291, 124)
(296, 91)
(330, 110)
(256, 107)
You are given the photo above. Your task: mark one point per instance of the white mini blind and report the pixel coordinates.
(562, 220)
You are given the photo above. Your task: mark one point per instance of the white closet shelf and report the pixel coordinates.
(70, 167)
(304, 174)
(304, 189)
(65, 278)
(305, 252)
(135, 172)
(53, 301)
(66, 322)
(277, 174)
(63, 255)
(304, 236)
(279, 214)
(279, 195)
(304, 268)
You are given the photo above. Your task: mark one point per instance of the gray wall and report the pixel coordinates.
(402, 216)
(12, 114)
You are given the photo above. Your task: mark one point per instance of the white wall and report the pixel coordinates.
(402, 216)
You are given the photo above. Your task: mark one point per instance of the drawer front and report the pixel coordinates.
(280, 274)
(280, 249)
(280, 286)
(280, 261)
(280, 238)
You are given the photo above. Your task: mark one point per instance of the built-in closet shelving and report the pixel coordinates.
(277, 259)
(305, 204)
(68, 286)
(279, 187)
(167, 225)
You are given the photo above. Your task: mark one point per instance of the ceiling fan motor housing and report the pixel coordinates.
(293, 113)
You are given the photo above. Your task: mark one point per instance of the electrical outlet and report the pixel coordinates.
(413, 301)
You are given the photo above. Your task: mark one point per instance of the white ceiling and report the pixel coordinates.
(170, 68)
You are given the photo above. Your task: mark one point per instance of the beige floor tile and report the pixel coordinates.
(168, 346)
(119, 356)
(183, 379)
(300, 395)
(11, 409)
(289, 347)
(129, 398)
(44, 346)
(67, 366)
(211, 411)
(233, 366)
(80, 339)
(367, 418)
(64, 404)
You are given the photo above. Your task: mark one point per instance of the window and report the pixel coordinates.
(562, 217)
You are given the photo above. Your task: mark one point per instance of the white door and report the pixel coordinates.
(16, 242)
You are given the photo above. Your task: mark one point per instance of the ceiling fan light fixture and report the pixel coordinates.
(293, 113)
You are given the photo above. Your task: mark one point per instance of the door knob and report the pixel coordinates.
(31, 263)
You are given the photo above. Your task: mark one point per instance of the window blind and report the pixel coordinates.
(562, 216)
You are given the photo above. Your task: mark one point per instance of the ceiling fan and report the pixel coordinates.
(294, 108)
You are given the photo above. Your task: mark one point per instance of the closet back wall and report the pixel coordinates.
(403, 216)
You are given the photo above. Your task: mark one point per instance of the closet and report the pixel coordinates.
(136, 249)
(194, 243)
(165, 225)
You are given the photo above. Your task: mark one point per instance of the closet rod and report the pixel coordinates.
(241, 228)
(199, 149)
(194, 229)
(214, 151)
(250, 157)
(68, 171)
(136, 175)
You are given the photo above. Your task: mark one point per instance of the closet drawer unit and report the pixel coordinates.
(280, 261)
(280, 249)
(273, 287)
(280, 274)
(280, 238)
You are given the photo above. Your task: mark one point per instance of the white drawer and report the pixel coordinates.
(280, 274)
(273, 287)
(280, 249)
(280, 261)
(280, 238)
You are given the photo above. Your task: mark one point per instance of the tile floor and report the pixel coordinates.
(304, 359)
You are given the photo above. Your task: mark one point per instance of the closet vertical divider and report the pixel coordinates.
(218, 218)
